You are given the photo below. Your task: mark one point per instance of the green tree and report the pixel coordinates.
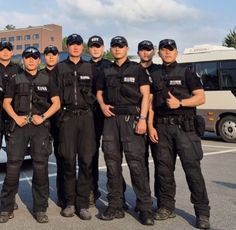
(230, 39)
(10, 27)
(107, 55)
(64, 47)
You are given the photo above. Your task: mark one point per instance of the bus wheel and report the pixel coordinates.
(227, 128)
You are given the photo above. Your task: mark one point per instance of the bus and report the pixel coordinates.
(216, 66)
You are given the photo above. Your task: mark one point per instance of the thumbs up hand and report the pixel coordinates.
(172, 102)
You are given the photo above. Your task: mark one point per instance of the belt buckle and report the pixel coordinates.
(171, 121)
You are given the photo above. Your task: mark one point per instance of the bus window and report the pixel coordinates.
(208, 73)
(228, 74)
(188, 65)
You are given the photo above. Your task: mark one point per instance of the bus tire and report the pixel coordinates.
(227, 128)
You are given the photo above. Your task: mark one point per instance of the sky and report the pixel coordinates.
(188, 22)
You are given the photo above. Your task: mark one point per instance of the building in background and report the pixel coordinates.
(37, 36)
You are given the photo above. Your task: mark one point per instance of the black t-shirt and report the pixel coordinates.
(11, 87)
(9, 71)
(142, 77)
(97, 68)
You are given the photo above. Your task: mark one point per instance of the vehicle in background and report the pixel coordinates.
(216, 66)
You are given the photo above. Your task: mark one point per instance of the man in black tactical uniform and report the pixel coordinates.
(8, 69)
(176, 93)
(26, 102)
(96, 50)
(123, 95)
(146, 52)
(51, 55)
(76, 128)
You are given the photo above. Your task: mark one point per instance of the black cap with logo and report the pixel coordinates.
(7, 45)
(51, 49)
(167, 43)
(145, 45)
(95, 40)
(31, 52)
(74, 39)
(119, 41)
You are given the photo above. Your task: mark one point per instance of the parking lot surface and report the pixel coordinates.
(218, 166)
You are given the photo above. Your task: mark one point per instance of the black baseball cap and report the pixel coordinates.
(119, 41)
(74, 39)
(31, 52)
(145, 44)
(51, 49)
(167, 43)
(7, 45)
(95, 40)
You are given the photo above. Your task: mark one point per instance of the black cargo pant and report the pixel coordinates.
(59, 161)
(174, 141)
(99, 122)
(77, 137)
(41, 147)
(118, 135)
(151, 146)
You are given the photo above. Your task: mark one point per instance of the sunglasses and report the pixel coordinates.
(6, 45)
(51, 49)
(31, 52)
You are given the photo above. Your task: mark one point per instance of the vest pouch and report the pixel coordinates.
(22, 99)
(113, 88)
(160, 94)
(130, 94)
(88, 96)
(200, 125)
(68, 90)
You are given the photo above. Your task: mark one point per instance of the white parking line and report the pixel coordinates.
(26, 178)
(218, 146)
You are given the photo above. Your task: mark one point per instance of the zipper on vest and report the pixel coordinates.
(75, 88)
(31, 100)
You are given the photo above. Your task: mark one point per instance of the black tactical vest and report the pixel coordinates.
(31, 96)
(76, 84)
(174, 82)
(122, 88)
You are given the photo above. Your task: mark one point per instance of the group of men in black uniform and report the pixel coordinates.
(118, 101)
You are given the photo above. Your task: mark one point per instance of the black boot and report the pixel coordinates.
(111, 213)
(202, 222)
(146, 218)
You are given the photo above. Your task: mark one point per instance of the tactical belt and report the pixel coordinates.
(172, 120)
(78, 111)
(186, 123)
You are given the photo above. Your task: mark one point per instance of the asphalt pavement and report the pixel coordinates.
(218, 166)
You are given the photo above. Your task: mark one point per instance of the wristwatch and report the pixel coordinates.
(180, 103)
(141, 117)
(43, 116)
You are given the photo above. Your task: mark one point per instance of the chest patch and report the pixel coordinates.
(42, 88)
(175, 82)
(129, 79)
(84, 77)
